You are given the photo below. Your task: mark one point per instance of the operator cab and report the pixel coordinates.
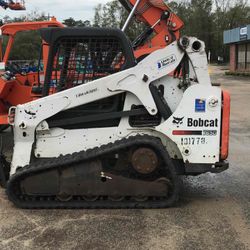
(81, 55)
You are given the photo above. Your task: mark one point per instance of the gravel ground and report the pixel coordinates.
(213, 212)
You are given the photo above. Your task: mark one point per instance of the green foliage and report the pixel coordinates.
(205, 19)
(27, 44)
(71, 22)
(113, 15)
(32, 16)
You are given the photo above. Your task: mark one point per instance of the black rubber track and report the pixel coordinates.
(14, 192)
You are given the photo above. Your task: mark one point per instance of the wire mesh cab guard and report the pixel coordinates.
(81, 55)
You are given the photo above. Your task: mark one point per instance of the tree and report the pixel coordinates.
(205, 19)
(208, 19)
(27, 44)
(238, 15)
(228, 15)
(71, 22)
(113, 15)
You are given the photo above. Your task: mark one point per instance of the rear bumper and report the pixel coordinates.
(196, 169)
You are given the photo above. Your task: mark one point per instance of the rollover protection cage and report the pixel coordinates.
(81, 55)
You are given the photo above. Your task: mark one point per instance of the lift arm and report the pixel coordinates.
(161, 21)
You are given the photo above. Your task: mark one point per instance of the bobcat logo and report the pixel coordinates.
(178, 121)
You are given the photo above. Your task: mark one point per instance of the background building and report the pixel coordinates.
(239, 42)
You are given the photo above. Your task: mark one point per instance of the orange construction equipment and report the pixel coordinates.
(163, 25)
(18, 89)
(17, 5)
(13, 5)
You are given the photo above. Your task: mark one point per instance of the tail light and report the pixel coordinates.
(225, 125)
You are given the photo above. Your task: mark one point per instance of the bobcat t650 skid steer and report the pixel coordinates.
(124, 132)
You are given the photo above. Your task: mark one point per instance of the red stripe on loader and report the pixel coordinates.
(225, 125)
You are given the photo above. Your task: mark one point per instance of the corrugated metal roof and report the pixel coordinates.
(234, 36)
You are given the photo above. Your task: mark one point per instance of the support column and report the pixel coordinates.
(233, 57)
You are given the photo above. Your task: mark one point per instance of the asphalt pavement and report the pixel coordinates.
(213, 212)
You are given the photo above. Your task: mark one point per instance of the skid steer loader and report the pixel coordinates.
(124, 132)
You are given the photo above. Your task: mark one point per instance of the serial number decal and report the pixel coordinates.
(193, 141)
(91, 91)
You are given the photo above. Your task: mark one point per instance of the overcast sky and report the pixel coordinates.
(62, 9)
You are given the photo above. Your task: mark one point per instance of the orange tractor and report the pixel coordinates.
(15, 84)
